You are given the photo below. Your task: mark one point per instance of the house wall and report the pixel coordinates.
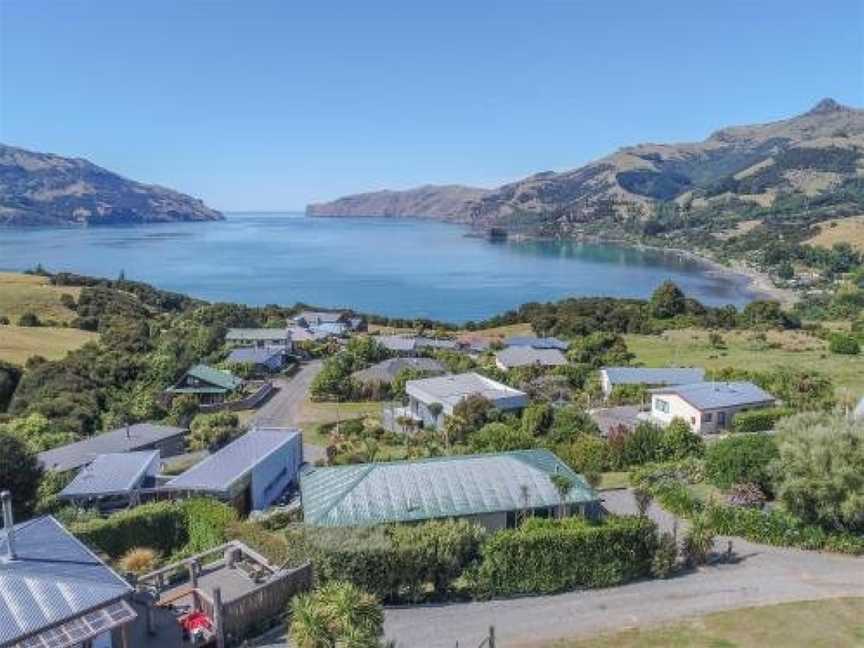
(702, 421)
(169, 447)
(490, 521)
(272, 476)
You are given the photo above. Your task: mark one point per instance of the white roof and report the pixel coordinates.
(451, 389)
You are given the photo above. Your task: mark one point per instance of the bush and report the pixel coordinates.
(211, 431)
(500, 437)
(20, 473)
(741, 459)
(633, 448)
(569, 423)
(665, 557)
(29, 319)
(545, 556)
(759, 420)
(746, 495)
(587, 454)
(338, 614)
(698, 541)
(679, 441)
(139, 560)
(843, 344)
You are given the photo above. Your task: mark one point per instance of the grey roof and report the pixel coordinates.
(536, 342)
(859, 411)
(321, 317)
(434, 343)
(654, 375)
(257, 334)
(253, 355)
(111, 474)
(449, 390)
(400, 491)
(397, 342)
(713, 395)
(329, 328)
(387, 370)
(218, 472)
(518, 356)
(55, 579)
(75, 455)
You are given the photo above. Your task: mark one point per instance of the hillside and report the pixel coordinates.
(46, 189)
(442, 202)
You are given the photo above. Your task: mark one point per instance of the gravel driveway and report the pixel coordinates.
(763, 575)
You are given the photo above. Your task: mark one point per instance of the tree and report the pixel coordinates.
(698, 541)
(569, 423)
(820, 470)
(665, 556)
(500, 437)
(588, 454)
(562, 484)
(741, 459)
(19, 474)
(37, 432)
(536, 419)
(599, 349)
(213, 430)
(183, 409)
(29, 319)
(680, 442)
(667, 301)
(10, 376)
(338, 614)
(474, 410)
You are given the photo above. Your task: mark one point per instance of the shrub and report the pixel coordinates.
(642, 445)
(741, 459)
(679, 441)
(337, 614)
(537, 418)
(500, 437)
(746, 495)
(139, 560)
(20, 473)
(759, 420)
(587, 454)
(698, 541)
(843, 344)
(29, 319)
(569, 423)
(206, 521)
(665, 557)
(545, 556)
(213, 430)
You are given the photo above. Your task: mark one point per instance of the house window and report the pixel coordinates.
(707, 417)
(661, 405)
(692, 420)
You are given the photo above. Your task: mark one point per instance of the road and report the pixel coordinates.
(763, 575)
(283, 408)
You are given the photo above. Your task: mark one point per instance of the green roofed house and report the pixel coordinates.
(209, 385)
(490, 489)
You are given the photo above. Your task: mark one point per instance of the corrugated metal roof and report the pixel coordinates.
(387, 370)
(521, 356)
(536, 342)
(320, 317)
(329, 328)
(135, 437)
(257, 334)
(54, 579)
(712, 395)
(218, 472)
(397, 342)
(111, 473)
(449, 390)
(401, 491)
(253, 355)
(216, 377)
(654, 375)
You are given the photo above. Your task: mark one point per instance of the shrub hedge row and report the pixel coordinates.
(760, 420)
(545, 556)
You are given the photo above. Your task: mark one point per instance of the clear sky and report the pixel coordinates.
(271, 104)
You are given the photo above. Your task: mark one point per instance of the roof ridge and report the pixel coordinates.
(348, 488)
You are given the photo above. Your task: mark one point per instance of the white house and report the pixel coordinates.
(707, 406)
(518, 356)
(260, 337)
(612, 377)
(448, 391)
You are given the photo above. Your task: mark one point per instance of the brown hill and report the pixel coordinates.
(442, 202)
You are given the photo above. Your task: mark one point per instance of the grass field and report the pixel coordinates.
(845, 230)
(20, 293)
(808, 624)
(690, 347)
(610, 480)
(19, 343)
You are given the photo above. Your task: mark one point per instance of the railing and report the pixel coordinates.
(249, 402)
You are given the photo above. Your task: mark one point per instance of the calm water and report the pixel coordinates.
(402, 268)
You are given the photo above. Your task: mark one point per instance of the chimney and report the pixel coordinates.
(8, 523)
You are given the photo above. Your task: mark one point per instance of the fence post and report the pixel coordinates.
(491, 636)
(218, 624)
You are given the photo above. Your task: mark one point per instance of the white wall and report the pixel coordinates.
(701, 421)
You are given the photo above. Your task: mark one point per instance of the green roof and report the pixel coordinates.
(442, 487)
(221, 380)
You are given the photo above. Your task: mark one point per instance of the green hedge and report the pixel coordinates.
(759, 420)
(170, 528)
(545, 556)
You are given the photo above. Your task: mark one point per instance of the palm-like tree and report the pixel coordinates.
(338, 614)
(562, 484)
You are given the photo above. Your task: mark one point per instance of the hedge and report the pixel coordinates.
(170, 528)
(759, 420)
(546, 556)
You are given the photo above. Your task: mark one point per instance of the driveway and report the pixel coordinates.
(283, 408)
(763, 575)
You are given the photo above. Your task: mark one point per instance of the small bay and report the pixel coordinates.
(406, 268)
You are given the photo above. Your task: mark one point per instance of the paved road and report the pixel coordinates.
(763, 576)
(283, 408)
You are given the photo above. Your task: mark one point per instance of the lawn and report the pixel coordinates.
(610, 480)
(689, 347)
(810, 624)
(19, 343)
(20, 293)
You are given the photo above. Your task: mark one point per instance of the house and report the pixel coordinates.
(250, 472)
(612, 377)
(387, 370)
(263, 360)
(207, 384)
(707, 406)
(168, 440)
(489, 489)
(473, 343)
(404, 345)
(329, 329)
(431, 399)
(536, 342)
(113, 480)
(260, 337)
(524, 356)
(301, 334)
(55, 592)
(311, 319)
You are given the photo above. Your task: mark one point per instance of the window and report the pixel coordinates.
(661, 405)
(707, 417)
(692, 420)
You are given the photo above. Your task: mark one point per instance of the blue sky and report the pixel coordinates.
(270, 105)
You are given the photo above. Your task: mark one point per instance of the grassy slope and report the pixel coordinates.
(19, 343)
(810, 624)
(689, 347)
(848, 230)
(20, 293)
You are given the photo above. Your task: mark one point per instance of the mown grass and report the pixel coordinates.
(610, 480)
(810, 624)
(690, 347)
(18, 343)
(21, 293)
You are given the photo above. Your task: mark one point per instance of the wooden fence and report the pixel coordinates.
(249, 402)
